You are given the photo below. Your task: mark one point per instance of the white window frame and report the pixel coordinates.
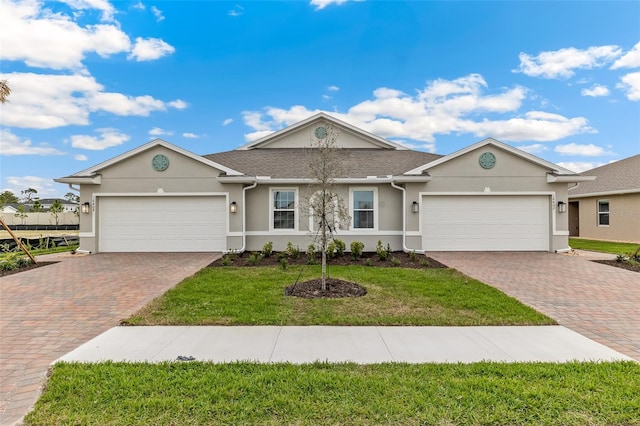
(272, 209)
(600, 214)
(376, 211)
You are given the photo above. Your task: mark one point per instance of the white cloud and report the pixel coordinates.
(563, 62)
(157, 131)
(42, 38)
(150, 49)
(442, 107)
(535, 148)
(178, 104)
(579, 166)
(333, 88)
(108, 138)
(321, 4)
(44, 185)
(227, 121)
(236, 11)
(595, 91)
(157, 13)
(583, 150)
(189, 135)
(80, 157)
(102, 5)
(630, 83)
(631, 59)
(11, 144)
(139, 6)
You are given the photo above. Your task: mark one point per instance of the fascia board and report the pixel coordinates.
(604, 194)
(552, 178)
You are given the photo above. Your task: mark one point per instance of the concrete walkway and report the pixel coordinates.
(342, 344)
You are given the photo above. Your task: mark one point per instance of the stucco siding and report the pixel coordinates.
(624, 218)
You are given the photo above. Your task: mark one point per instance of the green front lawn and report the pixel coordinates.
(396, 296)
(340, 394)
(602, 246)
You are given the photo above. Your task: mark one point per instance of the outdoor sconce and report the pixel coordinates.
(415, 207)
(85, 208)
(233, 207)
(562, 207)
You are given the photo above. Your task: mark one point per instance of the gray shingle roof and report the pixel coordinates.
(293, 163)
(623, 175)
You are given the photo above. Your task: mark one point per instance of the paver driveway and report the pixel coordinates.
(598, 301)
(49, 311)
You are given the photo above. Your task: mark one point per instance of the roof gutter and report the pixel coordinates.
(605, 193)
(307, 181)
(80, 180)
(553, 178)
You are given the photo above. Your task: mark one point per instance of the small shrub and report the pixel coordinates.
(340, 247)
(621, 258)
(291, 251)
(424, 263)
(395, 261)
(356, 249)
(382, 253)
(331, 249)
(368, 262)
(282, 255)
(311, 254)
(267, 249)
(283, 263)
(14, 261)
(412, 256)
(254, 258)
(227, 260)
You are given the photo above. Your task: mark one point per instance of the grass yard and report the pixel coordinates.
(603, 246)
(340, 394)
(396, 296)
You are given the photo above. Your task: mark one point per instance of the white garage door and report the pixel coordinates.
(489, 223)
(162, 224)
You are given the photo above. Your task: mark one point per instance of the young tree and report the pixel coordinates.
(37, 207)
(71, 197)
(55, 210)
(327, 208)
(21, 213)
(5, 91)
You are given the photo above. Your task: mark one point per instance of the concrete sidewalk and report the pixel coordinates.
(342, 344)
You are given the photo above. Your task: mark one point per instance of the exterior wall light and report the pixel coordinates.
(233, 207)
(415, 207)
(85, 208)
(562, 207)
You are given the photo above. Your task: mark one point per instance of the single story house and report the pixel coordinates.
(160, 197)
(608, 208)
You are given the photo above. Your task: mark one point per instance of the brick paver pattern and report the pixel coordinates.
(599, 301)
(49, 311)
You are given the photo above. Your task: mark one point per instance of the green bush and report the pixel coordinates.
(267, 249)
(311, 254)
(382, 253)
(227, 260)
(283, 263)
(13, 261)
(254, 258)
(412, 256)
(340, 247)
(291, 251)
(395, 261)
(331, 249)
(356, 249)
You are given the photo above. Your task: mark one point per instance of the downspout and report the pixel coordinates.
(404, 220)
(78, 250)
(244, 218)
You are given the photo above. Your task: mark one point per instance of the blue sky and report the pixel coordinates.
(92, 79)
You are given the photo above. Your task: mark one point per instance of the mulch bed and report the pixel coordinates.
(403, 260)
(335, 288)
(623, 265)
(26, 268)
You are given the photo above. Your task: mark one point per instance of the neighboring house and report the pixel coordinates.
(10, 208)
(608, 208)
(46, 204)
(159, 197)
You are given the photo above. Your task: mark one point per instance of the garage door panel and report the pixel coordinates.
(476, 223)
(163, 224)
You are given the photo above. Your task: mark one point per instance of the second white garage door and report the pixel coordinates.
(485, 223)
(162, 224)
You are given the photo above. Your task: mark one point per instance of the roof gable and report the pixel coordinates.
(156, 142)
(299, 135)
(492, 142)
(622, 176)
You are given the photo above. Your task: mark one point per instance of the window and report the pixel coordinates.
(283, 208)
(332, 211)
(603, 213)
(363, 209)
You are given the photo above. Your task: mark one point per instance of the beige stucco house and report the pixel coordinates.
(160, 197)
(608, 208)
